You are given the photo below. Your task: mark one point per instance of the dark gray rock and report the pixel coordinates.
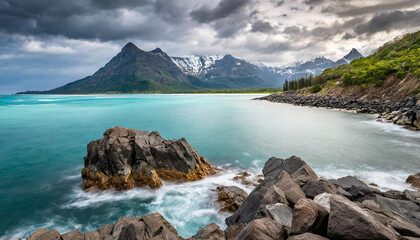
(290, 188)
(405, 208)
(303, 175)
(262, 229)
(309, 216)
(348, 220)
(355, 187)
(274, 195)
(315, 187)
(121, 223)
(210, 232)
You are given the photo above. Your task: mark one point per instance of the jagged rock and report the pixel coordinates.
(105, 230)
(291, 189)
(233, 231)
(309, 216)
(94, 235)
(347, 220)
(407, 209)
(355, 187)
(43, 234)
(323, 199)
(401, 225)
(276, 186)
(303, 175)
(209, 232)
(307, 236)
(315, 187)
(126, 158)
(73, 235)
(281, 213)
(414, 180)
(262, 229)
(121, 223)
(231, 197)
(149, 227)
(274, 195)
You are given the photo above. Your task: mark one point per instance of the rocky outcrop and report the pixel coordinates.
(405, 113)
(231, 197)
(414, 180)
(128, 158)
(278, 208)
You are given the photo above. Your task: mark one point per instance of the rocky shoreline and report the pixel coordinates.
(290, 202)
(405, 113)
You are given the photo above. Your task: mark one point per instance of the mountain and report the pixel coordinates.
(131, 71)
(352, 55)
(136, 71)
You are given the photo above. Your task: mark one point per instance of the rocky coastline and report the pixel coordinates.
(290, 202)
(405, 113)
(128, 158)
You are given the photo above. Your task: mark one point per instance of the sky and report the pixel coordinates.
(47, 43)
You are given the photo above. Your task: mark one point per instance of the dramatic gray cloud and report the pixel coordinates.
(45, 44)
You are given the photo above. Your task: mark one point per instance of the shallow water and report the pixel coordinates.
(43, 140)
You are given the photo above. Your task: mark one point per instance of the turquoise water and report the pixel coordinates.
(43, 140)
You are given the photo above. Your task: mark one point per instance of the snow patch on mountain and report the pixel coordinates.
(196, 65)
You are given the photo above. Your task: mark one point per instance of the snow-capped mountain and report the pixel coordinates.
(196, 65)
(218, 71)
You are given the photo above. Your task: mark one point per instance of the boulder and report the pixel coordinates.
(323, 199)
(73, 235)
(94, 235)
(151, 226)
(309, 216)
(303, 175)
(262, 229)
(348, 220)
(43, 234)
(209, 232)
(247, 211)
(290, 188)
(315, 187)
(126, 158)
(353, 186)
(121, 223)
(307, 236)
(35, 235)
(281, 213)
(404, 208)
(105, 230)
(232, 231)
(231, 197)
(414, 180)
(274, 195)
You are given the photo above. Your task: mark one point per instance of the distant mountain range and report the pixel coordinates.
(136, 71)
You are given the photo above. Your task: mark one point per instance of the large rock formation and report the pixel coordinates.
(126, 158)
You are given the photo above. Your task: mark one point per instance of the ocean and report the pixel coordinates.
(43, 141)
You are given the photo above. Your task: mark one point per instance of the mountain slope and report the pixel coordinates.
(393, 71)
(131, 71)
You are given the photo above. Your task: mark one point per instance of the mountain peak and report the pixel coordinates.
(129, 46)
(352, 55)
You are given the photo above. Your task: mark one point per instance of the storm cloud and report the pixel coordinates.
(45, 44)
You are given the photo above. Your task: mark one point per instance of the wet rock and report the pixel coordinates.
(307, 236)
(347, 220)
(353, 186)
(243, 177)
(43, 234)
(73, 235)
(280, 213)
(274, 195)
(231, 197)
(35, 235)
(406, 209)
(262, 229)
(126, 158)
(209, 232)
(151, 226)
(309, 216)
(121, 223)
(315, 187)
(414, 180)
(94, 235)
